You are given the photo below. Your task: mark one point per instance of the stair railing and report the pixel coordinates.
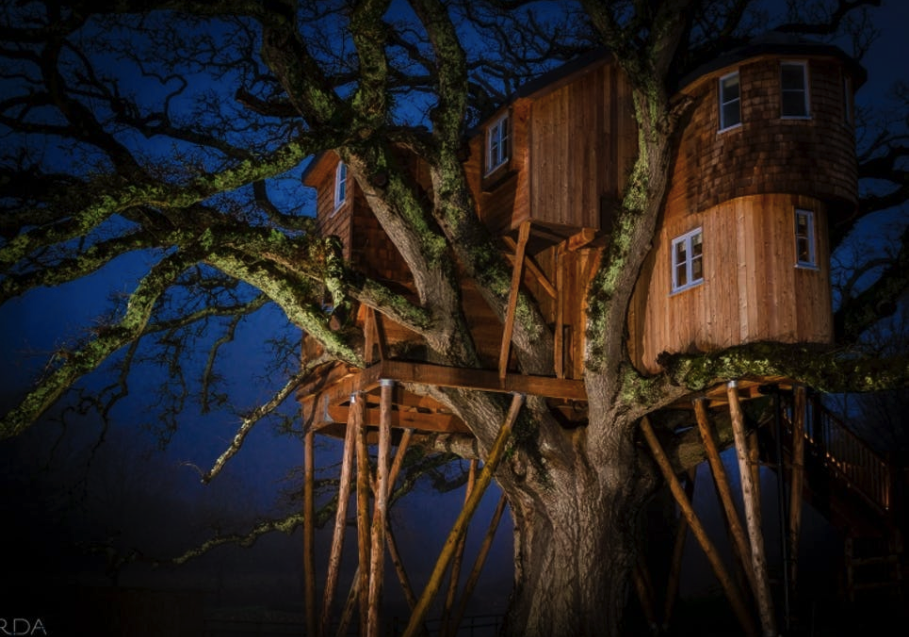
(849, 459)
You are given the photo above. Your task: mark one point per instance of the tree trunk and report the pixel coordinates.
(575, 545)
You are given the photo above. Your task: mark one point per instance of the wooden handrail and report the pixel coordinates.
(848, 458)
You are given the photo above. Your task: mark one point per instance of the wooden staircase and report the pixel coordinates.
(859, 492)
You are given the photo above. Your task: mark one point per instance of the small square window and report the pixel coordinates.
(805, 239)
(794, 90)
(497, 144)
(340, 185)
(730, 101)
(687, 260)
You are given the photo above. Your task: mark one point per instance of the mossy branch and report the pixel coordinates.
(824, 368)
(72, 366)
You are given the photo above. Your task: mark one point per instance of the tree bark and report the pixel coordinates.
(574, 545)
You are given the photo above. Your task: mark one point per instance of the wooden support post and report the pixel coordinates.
(460, 526)
(309, 511)
(379, 327)
(377, 552)
(559, 345)
(644, 589)
(678, 550)
(478, 563)
(752, 514)
(797, 482)
(532, 268)
(724, 490)
(713, 556)
(352, 597)
(337, 540)
(363, 489)
(455, 575)
(516, 274)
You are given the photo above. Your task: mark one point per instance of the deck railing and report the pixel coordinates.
(849, 459)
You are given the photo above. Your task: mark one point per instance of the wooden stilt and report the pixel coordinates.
(523, 235)
(309, 556)
(337, 540)
(403, 445)
(455, 575)
(678, 550)
(460, 526)
(352, 597)
(644, 589)
(797, 482)
(724, 490)
(713, 556)
(377, 552)
(752, 515)
(559, 344)
(478, 563)
(363, 489)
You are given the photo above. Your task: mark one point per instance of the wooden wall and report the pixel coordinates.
(582, 144)
(573, 144)
(814, 157)
(752, 290)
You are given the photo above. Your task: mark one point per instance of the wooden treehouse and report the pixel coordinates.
(765, 164)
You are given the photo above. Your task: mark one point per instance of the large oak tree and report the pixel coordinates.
(176, 129)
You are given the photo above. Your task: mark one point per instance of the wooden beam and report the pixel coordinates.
(379, 328)
(337, 539)
(352, 597)
(496, 453)
(797, 482)
(644, 589)
(523, 235)
(480, 379)
(455, 573)
(532, 268)
(363, 488)
(678, 550)
(478, 563)
(309, 511)
(377, 552)
(716, 561)
(581, 238)
(559, 345)
(443, 423)
(752, 515)
(721, 479)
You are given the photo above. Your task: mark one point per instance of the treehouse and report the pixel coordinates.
(766, 162)
(765, 165)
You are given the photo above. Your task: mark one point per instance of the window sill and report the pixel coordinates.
(685, 288)
(807, 266)
(494, 179)
(729, 128)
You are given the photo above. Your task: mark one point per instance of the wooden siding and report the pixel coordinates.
(752, 290)
(572, 149)
(766, 154)
(582, 143)
(503, 196)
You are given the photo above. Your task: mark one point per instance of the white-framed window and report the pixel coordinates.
(794, 90)
(687, 260)
(340, 185)
(498, 144)
(847, 101)
(805, 253)
(730, 98)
